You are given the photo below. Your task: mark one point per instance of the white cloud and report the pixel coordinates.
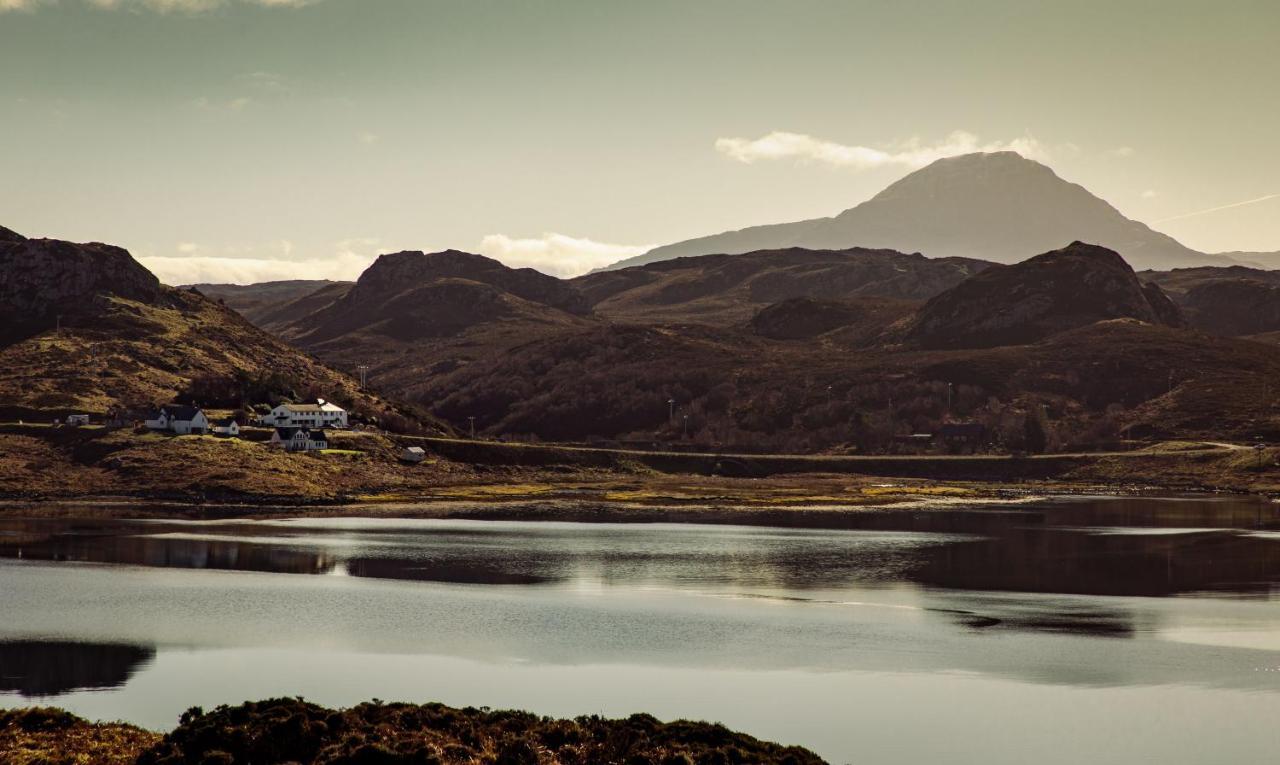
(19, 5)
(1122, 152)
(192, 263)
(910, 153)
(1150, 194)
(249, 264)
(557, 254)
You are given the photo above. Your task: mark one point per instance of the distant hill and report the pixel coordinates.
(256, 302)
(89, 329)
(990, 206)
(1011, 305)
(730, 289)
(1234, 300)
(411, 315)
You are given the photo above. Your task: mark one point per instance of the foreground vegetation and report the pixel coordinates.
(40, 465)
(295, 731)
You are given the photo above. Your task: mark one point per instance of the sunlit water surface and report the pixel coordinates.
(1084, 631)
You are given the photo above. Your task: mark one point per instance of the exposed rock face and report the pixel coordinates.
(1010, 305)
(43, 277)
(995, 206)
(414, 294)
(1233, 307)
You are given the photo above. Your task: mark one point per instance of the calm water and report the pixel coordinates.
(1100, 631)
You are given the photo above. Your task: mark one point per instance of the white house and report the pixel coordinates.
(322, 414)
(77, 419)
(179, 419)
(228, 427)
(413, 454)
(299, 439)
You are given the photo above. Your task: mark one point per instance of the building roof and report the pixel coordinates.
(225, 422)
(178, 412)
(325, 407)
(311, 434)
(416, 450)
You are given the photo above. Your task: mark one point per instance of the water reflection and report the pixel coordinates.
(38, 668)
(1129, 547)
(1102, 562)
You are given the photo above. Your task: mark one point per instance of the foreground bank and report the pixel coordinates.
(292, 730)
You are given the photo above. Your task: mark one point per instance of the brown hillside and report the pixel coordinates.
(127, 342)
(729, 289)
(258, 302)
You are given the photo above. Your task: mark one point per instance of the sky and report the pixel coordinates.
(244, 140)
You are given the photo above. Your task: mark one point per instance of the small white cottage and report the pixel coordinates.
(299, 439)
(413, 454)
(179, 419)
(227, 427)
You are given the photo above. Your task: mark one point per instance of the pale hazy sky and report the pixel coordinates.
(215, 138)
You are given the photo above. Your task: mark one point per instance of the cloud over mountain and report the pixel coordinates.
(911, 153)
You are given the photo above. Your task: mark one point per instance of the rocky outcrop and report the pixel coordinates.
(42, 278)
(1010, 305)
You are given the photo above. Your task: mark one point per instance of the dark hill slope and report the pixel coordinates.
(412, 316)
(1050, 293)
(127, 342)
(256, 302)
(414, 294)
(996, 206)
(730, 289)
(1235, 300)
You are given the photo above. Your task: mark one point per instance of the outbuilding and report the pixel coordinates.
(413, 454)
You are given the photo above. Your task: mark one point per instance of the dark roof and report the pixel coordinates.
(292, 430)
(225, 422)
(177, 412)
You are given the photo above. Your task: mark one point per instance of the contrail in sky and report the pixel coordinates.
(1215, 209)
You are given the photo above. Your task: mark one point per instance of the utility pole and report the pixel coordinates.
(364, 372)
(686, 426)
(472, 420)
(671, 410)
(828, 394)
(59, 330)
(948, 398)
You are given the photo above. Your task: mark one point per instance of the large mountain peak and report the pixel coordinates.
(992, 206)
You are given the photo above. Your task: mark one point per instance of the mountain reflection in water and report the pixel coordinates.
(41, 668)
(1129, 547)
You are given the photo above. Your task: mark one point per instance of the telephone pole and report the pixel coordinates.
(472, 420)
(364, 371)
